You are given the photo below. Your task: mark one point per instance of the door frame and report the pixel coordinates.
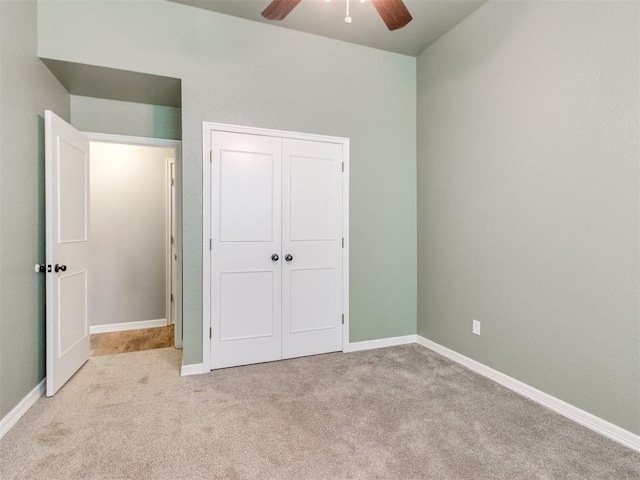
(172, 215)
(177, 147)
(207, 129)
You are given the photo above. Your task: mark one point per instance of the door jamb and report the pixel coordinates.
(169, 235)
(207, 128)
(177, 147)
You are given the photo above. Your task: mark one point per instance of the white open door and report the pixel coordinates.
(67, 225)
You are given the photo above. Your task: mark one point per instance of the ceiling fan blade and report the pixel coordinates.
(393, 12)
(278, 9)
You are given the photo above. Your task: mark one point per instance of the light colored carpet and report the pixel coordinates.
(395, 413)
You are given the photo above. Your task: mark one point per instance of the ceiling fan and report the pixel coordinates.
(394, 13)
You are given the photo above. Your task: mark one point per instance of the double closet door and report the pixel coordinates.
(276, 248)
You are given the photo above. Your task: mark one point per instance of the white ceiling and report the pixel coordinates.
(431, 19)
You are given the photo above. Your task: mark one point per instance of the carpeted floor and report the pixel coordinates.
(395, 413)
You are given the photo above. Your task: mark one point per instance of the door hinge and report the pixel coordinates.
(343, 318)
(342, 242)
(210, 244)
(171, 239)
(172, 297)
(343, 166)
(209, 332)
(210, 156)
(172, 181)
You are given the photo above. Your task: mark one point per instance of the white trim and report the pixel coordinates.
(121, 327)
(565, 409)
(207, 128)
(148, 141)
(174, 272)
(380, 343)
(193, 369)
(206, 245)
(11, 418)
(168, 267)
(224, 127)
(345, 250)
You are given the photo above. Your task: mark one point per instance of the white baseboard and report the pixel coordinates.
(586, 419)
(121, 327)
(380, 343)
(193, 369)
(19, 410)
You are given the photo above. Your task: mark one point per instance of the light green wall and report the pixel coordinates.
(98, 115)
(241, 72)
(27, 88)
(528, 121)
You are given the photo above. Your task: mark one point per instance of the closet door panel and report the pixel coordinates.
(312, 235)
(312, 199)
(313, 300)
(246, 196)
(246, 284)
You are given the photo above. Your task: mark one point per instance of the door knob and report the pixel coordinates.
(288, 257)
(60, 268)
(275, 257)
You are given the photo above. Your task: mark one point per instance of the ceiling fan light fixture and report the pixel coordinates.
(347, 16)
(394, 13)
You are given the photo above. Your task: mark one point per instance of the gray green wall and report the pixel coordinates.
(528, 123)
(241, 72)
(27, 88)
(98, 115)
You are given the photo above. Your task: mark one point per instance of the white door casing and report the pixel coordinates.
(173, 255)
(67, 248)
(311, 300)
(170, 236)
(246, 233)
(175, 266)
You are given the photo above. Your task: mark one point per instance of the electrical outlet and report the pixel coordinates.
(476, 327)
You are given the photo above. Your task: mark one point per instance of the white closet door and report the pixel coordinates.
(312, 236)
(246, 284)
